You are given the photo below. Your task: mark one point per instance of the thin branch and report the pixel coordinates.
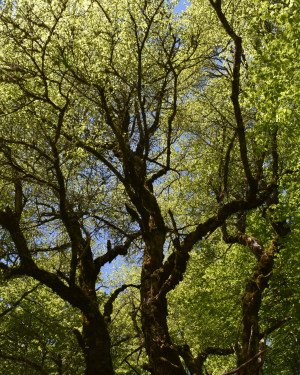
(124, 339)
(130, 354)
(100, 157)
(55, 248)
(104, 11)
(275, 326)
(125, 360)
(108, 307)
(108, 223)
(17, 303)
(18, 359)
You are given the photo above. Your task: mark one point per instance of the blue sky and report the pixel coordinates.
(181, 6)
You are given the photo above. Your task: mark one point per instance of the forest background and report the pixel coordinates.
(149, 210)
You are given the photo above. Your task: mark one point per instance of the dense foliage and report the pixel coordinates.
(149, 211)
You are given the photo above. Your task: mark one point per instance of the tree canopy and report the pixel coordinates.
(149, 211)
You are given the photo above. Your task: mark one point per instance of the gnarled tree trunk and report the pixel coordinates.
(163, 356)
(96, 344)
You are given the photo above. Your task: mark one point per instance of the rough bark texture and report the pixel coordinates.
(251, 303)
(96, 344)
(250, 362)
(163, 356)
(95, 336)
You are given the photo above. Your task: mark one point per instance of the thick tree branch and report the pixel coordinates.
(223, 189)
(112, 253)
(244, 239)
(10, 221)
(224, 212)
(175, 265)
(73, 295)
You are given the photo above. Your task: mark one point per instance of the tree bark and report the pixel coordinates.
(95, 337)
(249, 363)
(251, 303)
(96, 343)
(163, 356)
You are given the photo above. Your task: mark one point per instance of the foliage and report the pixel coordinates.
(37, 332)
(149, 207)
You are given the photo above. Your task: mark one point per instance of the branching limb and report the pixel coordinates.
(171, 118)
(27, 266)
(135, 371)
(175, 265)
(80, 144)
(244, 239)
(226, 210)
(109, 224)
(11, 222)
(235, 91)
(130, 354)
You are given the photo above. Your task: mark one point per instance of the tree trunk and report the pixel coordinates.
(96, 344)
(251, 303)
(163, 356)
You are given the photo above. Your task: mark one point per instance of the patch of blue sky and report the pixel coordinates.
(181, 6)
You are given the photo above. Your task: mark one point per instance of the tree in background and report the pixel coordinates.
(36, 332)
(128, 131)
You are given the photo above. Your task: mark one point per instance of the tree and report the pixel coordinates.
(100, 100)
